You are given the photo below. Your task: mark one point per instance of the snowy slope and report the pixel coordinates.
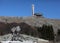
(25, 39)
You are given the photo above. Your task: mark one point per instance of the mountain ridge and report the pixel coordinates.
(33, 21)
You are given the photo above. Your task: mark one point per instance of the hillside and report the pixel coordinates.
(28, 25)
(33, 21)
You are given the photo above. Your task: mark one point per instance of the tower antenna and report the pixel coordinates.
(32, 9)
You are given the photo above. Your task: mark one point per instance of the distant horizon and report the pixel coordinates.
(31, 16)
(22, 8)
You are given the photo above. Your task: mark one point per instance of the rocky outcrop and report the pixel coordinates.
(25, 28)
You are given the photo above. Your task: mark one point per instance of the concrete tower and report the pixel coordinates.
(32, 9)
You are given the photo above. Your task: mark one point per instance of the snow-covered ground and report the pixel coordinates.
(17, 42)
(24, 38)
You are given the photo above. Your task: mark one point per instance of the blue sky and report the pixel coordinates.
(49, 8)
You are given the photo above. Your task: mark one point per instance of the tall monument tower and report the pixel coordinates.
(32, 9)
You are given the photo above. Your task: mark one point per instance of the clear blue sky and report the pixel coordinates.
(49, 8)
